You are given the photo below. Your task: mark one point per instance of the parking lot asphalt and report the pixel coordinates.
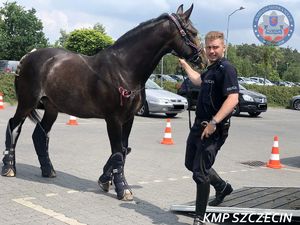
(155, 172)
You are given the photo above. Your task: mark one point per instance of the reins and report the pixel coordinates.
(124, 93)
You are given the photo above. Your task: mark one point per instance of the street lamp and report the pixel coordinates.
(228, 19)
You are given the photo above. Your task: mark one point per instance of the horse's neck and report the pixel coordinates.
(142, 53)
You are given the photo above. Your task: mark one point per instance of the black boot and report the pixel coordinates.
(9, 162)
(41, 144)
(105, 180)
(198, 220)
(201, 202)
(221, 195)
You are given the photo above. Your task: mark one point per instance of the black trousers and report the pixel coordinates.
(199, 159)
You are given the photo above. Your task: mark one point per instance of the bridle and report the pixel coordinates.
(184, 34)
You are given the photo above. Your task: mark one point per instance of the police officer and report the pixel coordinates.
(217, 98)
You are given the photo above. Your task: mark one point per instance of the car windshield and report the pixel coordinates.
(152, 85)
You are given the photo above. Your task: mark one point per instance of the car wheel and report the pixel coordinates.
(171, 114)
(144, 110)
(236, 111)
(254, 114)
(296, 104)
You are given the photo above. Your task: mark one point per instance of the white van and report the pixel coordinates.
(8, 66)
(262, 81)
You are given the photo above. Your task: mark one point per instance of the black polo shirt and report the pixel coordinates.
(218, 81)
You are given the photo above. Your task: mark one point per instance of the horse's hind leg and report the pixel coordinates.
(40, 139)
(13, 131)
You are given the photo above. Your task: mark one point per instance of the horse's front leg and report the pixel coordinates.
(114, 168)
(126, 129)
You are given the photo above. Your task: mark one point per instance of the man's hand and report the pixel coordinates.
(209, 130)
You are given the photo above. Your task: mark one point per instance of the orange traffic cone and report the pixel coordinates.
(167, 140)
(1, 101)
(274, 161)
(72, 121)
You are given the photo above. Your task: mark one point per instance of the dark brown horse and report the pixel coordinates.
(109, 84)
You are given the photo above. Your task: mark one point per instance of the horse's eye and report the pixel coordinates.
(193, 32)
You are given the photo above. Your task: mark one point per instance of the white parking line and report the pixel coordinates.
(72, 191)
(143, 182)
(157, 181)
(51, 194)
(59, 216)
(293, 170)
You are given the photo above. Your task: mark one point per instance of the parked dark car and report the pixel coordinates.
(295, 102)
(250, 102)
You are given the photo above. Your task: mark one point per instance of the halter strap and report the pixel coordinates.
(184, 35)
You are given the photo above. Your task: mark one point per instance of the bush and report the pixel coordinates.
(167, 85)
(276, 95)
(7, 87)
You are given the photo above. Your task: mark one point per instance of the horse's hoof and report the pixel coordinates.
(49, 173)
(104, 186)
(127, 196)
(8, 172)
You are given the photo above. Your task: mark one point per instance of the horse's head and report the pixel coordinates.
(186, 42)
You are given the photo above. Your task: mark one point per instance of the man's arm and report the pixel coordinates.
(227, 108)
(192, 74)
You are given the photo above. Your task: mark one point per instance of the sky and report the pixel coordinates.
(120, 16)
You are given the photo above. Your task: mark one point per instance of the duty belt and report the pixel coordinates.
(223, 124)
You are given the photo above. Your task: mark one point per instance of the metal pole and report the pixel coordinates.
(161, 71)
(227, 31)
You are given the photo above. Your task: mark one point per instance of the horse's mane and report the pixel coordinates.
(138, 28)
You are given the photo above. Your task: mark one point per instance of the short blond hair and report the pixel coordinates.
(213, 35)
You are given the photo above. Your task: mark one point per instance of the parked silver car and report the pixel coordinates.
(159, 100)
(295, 102)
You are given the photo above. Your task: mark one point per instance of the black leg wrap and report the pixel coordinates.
(9, 163)
(105, 180)
(41, 144)
(121, 186)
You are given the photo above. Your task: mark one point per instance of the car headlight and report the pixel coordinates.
(161, 101)
(248, 98)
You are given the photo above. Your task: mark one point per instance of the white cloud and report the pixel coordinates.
(53, 21)
(120, 16)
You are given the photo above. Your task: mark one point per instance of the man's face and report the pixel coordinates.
(214, 49)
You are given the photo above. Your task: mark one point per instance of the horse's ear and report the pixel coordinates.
(180, 9)
(188, 12)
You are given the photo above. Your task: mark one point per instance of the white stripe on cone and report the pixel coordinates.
(274, 157)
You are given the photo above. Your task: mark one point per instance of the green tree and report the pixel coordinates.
(87, 41)
(170, 65)
(292, 73)
(20, 31)
(62, 39)
(99, 27)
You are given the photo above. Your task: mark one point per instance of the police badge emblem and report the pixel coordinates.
(273, 25)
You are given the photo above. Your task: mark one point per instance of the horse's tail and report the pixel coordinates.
(34, 116)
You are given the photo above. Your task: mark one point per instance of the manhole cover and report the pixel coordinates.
(254, 163)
